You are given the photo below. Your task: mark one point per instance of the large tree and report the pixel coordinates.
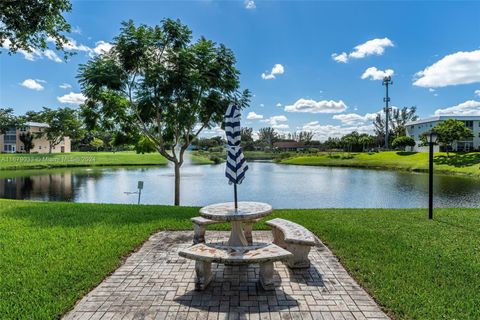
(27, 24)
(156, 81)
(449, 131)
(399, 119)
(7, 119)
(27, 139)
(62, 122)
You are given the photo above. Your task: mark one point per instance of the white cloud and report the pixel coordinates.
(279, 104)
(249, 4)
(33, 84)
(477, 93)
(72, 98)
(211, 132)
(467, 108)
(102, 47)
(323, 132)
(253, 116)
(376, 74)
(312, 106)
(353, 118)
(71, 45)
(34, 54)
(274, 122)
(51, 55)
(280, 126)
(262, 105)
(276, 70)
(369, 48)
(462, 67)
(65, 86)
(342, 57)
(431, 90)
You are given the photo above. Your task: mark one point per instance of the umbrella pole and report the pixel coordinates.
(235, 195)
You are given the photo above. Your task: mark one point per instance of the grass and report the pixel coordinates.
(51, 254)
(78, 159)
(86, 159)
(215, 157)
(460, 163)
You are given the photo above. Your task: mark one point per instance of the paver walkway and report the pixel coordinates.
(155, 283)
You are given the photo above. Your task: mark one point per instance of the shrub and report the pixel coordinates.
(402, 142)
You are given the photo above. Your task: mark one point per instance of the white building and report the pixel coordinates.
(415, 129)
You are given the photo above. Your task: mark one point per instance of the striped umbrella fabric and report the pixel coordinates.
(236, 164)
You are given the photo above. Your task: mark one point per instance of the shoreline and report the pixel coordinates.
(391, 160)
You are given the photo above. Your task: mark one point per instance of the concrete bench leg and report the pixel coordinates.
(204, 274)
(266, 275)
(199, 235)
(247, 230)
(300, 256)
(278, 238)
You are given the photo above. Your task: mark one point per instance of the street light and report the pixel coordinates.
(431, 139)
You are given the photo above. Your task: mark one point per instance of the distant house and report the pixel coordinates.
(10, 141)
(289, 146)
(415, 130)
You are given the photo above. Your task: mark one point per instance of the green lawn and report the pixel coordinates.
(249, 155)
(86, 159)
(51, 254)
(461, 163)
(78, 159)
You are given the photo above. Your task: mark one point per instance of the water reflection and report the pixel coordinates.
(282, 186)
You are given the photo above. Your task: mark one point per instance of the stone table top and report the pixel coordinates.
(226, 211)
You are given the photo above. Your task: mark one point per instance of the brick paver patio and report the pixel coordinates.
(155, 283)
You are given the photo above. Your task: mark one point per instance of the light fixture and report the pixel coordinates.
(432, 137)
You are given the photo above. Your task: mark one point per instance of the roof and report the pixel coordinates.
(442, 118)
(288, 144)
(37, 124)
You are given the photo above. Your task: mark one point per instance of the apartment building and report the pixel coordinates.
(10, 141)
(415, 129)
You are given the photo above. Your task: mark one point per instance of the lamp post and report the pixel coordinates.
(432, 139)
(386, 82)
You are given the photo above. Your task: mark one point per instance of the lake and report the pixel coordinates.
(283, 186)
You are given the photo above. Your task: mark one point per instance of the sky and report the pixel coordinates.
(310, 65)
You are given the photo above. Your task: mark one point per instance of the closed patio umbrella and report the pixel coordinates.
(236, 164)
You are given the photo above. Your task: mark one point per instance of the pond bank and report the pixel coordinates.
(86, 159)
(456, 163)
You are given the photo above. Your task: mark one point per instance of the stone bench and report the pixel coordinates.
(200, 224)
(263, 254)
(294, 238)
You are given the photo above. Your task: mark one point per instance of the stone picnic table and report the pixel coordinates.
(245, 212)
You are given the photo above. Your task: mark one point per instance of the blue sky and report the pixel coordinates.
(318, 52)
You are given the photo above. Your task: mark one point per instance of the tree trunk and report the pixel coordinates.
(177, 183)
(49, 148)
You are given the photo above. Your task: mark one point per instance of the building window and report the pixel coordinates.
(23, 129)
(22, 148)
(40, 147)
(468, 124)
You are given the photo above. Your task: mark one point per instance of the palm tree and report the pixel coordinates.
(268, 136)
